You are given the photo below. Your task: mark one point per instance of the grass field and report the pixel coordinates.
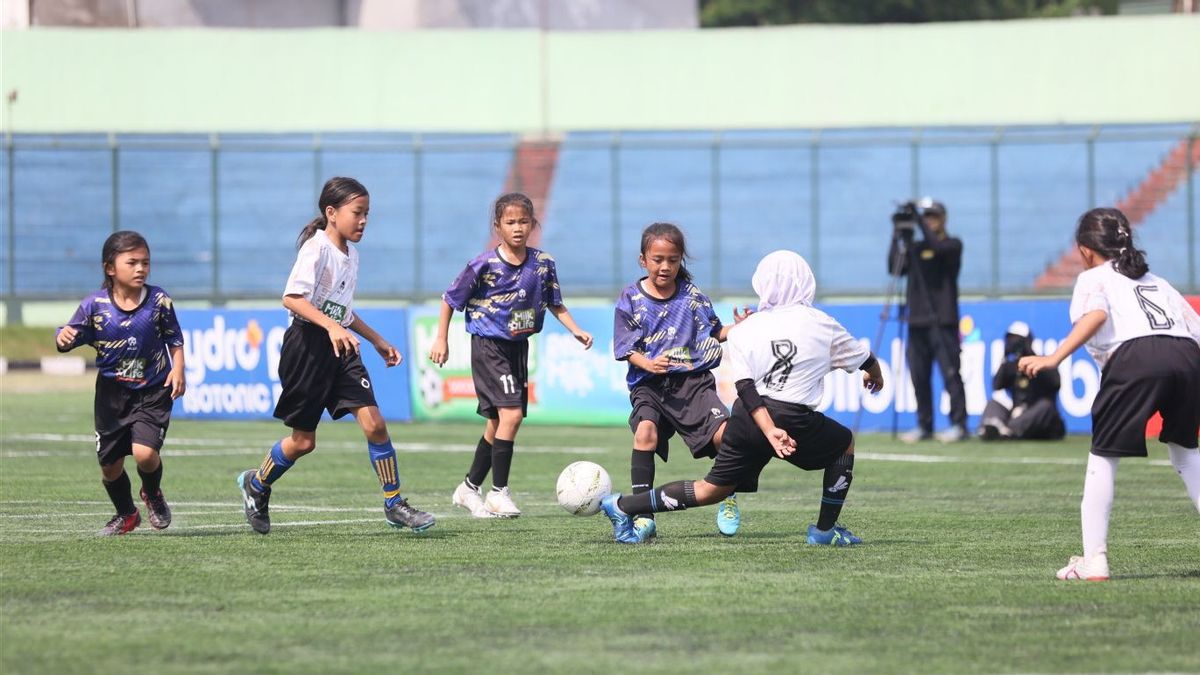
(956, 574)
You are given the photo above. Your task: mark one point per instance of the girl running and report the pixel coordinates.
(139, 356)
(319, 366)
(505, 293)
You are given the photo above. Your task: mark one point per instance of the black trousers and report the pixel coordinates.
(1038, 420)
(940, 343)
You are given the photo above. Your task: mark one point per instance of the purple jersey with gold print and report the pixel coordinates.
(502, 300)
(684, 327)
(131, 346)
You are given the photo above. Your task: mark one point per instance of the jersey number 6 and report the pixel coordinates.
(1156, 315)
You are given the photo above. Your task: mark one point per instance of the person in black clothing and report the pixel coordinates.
(1034, 413)
(932, 300)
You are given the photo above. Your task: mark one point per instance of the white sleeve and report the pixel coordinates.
(738, 360)
(303, 278)
(1088, 296)
(845, 351)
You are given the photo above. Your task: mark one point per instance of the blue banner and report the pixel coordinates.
(571, 386)
(231, 357)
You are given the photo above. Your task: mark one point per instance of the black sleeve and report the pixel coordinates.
(1047, 383)
(748, 394)
(1006, 376)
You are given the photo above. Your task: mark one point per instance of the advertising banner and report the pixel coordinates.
(232, 362)
(571, 386)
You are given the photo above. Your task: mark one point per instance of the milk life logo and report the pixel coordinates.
(232, 362)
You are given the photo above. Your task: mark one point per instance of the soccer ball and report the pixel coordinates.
(581, 486)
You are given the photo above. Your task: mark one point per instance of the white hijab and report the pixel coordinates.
(783, 278)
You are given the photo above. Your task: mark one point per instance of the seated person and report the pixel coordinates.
(1034, 414)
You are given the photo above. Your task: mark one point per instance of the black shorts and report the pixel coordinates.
(500, 371)
(126, 416)
(1158, 373)
(314, 380)
(745, 451)
(686, 403)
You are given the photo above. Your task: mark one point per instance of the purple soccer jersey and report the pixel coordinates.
(502, 300)
(684, 327)
(131, 347)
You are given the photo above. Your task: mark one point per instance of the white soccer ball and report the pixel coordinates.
(581, 486)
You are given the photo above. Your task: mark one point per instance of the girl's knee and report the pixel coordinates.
(374, 426)
(111, 472)
(645, 437)
(301, 443)
(707, 493)
(509, 421)
(146, 457)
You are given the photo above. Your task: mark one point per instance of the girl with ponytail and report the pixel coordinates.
(320, 368)
(1146, 339)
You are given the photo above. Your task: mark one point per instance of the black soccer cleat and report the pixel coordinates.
(403, 515)
(160, 513)
(255, 503)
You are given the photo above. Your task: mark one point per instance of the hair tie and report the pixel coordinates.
(1122, 250)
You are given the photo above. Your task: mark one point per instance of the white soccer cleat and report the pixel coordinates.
(499, 503)
(469, 499)
(1085, 569)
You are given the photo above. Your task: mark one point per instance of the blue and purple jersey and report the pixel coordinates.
(684, 327)
(502, 300)
(131, 347)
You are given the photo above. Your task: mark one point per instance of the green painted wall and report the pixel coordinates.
(1101, 70)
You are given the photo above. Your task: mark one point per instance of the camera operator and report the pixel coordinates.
(932, 266)
(1034, 413)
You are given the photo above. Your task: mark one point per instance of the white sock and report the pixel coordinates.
(1187, 462)
(1097, 501)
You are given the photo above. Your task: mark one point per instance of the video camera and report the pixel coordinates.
(906, 218)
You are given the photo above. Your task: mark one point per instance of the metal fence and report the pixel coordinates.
(222, 211)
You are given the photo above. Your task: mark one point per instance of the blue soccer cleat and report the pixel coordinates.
(837, 536)
(645, 528)
(729, 516)
(622, 524)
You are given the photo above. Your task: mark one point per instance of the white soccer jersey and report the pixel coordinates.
(1136, 308)
(789, 350)
(326, 277)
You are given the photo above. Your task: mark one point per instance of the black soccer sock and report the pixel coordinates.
(675, 496)
(118, 492)
(641, 471)
(833, 490)
(502, 453)
(481, 464)
(151, 481)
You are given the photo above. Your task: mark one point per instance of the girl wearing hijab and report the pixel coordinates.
(779, 356)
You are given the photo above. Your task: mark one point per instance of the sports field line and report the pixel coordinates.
(215, 447)
(216, 526)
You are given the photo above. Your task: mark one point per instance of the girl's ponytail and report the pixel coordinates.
(1107, 232)
(336, 193)
(310, 229)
